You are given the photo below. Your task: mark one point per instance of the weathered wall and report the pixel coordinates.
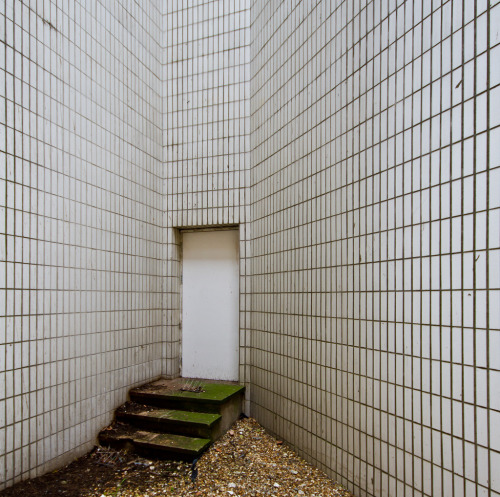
(375, 235)
(206, 142)
(356, 145)
(80, 222)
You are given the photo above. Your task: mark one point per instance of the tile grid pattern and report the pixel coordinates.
(372, 251)
(206, 140)
(80, 222)
(375, 240)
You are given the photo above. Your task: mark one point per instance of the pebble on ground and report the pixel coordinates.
(246, 461)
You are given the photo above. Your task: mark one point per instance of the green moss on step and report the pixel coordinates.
(167, 441)
(213, 392)
(198, 418)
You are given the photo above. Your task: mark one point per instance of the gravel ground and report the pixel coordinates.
(246, 461)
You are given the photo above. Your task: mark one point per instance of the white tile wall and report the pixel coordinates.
(375, 221)
(356, 146)
(80, 222)
(206, 141)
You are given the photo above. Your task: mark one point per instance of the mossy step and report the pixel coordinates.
(169, 442)
(211, 396)
(160, 443)
(183, 422)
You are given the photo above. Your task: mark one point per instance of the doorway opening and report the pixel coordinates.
(210, 304)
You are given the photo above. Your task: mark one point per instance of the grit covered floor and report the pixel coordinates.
(246, 461)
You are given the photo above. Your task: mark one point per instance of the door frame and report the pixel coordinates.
(200, 229)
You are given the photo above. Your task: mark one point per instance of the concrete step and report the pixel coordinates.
(175, 418)
(122, 435)
(218, 398)
(189, 423)
(212, 397)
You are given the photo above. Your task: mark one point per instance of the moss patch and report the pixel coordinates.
(199, 418)
(179, 443)
(213, 392)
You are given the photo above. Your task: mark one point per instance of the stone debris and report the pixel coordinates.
(107, 457)
(246, 463)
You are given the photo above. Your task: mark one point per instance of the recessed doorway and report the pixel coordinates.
(210, 304)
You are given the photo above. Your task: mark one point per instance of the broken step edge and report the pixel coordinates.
(169, 416)
(161, 443)
(197, 424)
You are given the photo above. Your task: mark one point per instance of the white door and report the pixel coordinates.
(210, 305)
